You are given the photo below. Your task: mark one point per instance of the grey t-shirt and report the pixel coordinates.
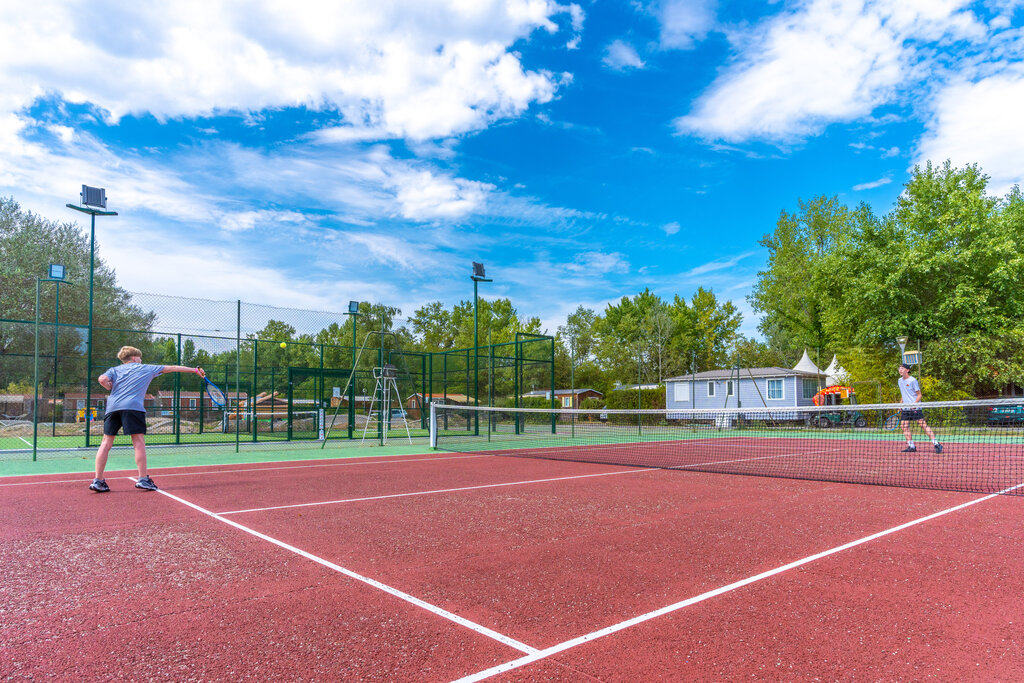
(130, 381)
(909, 388)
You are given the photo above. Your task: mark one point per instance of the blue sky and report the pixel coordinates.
(308, 155)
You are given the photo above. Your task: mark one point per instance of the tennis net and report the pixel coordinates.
(980, 443)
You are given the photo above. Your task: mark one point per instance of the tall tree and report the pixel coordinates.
(795, 292)
(622, 346)
(715, 328)
(28, 243)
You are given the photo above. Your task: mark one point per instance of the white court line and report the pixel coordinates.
(760, 457)
(562, 647)
(424, 493)
(24, 441)
(300, 467)
(243, 469)
(483, 630)
(515, 483)
(339, 464)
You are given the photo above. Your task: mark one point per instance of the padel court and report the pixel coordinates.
(468, 566)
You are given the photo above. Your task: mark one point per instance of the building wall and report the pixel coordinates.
(792, 394)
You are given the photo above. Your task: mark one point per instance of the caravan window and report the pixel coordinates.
(810, 388)
(776, 389)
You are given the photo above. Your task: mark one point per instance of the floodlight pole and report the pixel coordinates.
(56, 334)
(476, 343)
(92, 273)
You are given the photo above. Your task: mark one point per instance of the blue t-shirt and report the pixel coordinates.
(130, 382)
(909, 388)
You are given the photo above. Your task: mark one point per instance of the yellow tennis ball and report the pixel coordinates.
(283, 344)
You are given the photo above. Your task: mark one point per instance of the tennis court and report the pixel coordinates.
(446, 566)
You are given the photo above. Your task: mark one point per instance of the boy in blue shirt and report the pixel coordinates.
(126, 409)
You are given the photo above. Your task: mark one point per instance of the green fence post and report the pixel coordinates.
(238, 374)
(252, 394)
(554, 415)
(177, 398)
(515, 383)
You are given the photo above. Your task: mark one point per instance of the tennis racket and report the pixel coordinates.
(217, 396)
(892, 422)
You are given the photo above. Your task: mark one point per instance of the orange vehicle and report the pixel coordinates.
(837, 395)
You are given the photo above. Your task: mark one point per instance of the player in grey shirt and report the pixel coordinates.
(126, 409)
(910, 390)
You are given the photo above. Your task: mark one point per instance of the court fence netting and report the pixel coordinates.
(979, 449)
(319, 387)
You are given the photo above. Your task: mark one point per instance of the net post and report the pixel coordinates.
(433, 425)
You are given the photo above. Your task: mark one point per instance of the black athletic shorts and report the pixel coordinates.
(912, 415)
(133, 421)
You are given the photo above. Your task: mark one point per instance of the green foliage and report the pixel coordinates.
(592, 403)
(16, 388)
(440, 329)
(28, 243)
(945, 267)
(793, 293)
(626, 399)
(648, 338)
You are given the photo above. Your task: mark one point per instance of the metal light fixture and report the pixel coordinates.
(94, 196)
(94, 203)
(353, 307)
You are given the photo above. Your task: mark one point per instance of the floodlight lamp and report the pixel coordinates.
(94, 196)
(478, 269)
(902, 341)
(353, 306)
(57, 271)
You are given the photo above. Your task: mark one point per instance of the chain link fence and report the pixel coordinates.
(292, 377)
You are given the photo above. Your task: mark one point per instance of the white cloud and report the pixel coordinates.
(873, 184)
(387, 249)
(432, 68)
(671, 228)
(423, 195)
(718, 264)
(621, 56)
(599, 263)
(684, 22)
(979, 122)
(830, 60)
(194, 269)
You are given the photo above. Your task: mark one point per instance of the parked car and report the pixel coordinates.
(1005, 415)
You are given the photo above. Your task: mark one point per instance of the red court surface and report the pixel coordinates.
(465, 567)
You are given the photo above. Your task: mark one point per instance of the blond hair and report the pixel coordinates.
(127, 352)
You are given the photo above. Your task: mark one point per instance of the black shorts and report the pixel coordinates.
(912, 415)
(133, 421)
